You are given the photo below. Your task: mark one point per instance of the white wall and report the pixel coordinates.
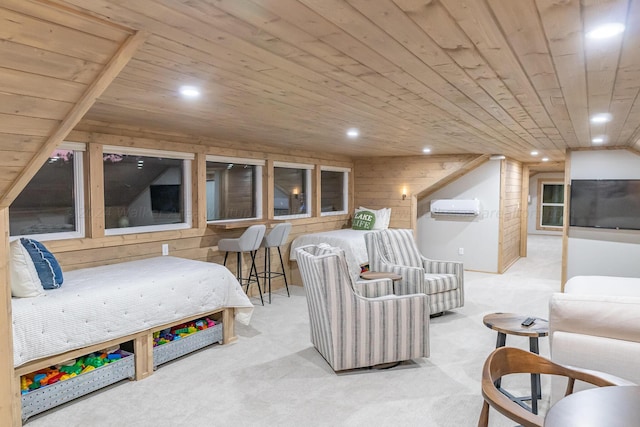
(441, 237)
(533, 204)
(600, 251)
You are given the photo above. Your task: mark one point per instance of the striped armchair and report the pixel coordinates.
(351, 331)
(395, 250)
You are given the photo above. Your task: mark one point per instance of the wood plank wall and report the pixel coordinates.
(10, 389)
(375, 182)
(380, 182)
(200, 242)
(510, 214)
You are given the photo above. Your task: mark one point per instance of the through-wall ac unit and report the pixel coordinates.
(455, 207)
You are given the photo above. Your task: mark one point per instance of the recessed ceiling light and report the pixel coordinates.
(353, 133)
(598, 140)
(606, 31)
(601, 118)
(534, 153)
(426, 150)
(189, 91)
(545, 159)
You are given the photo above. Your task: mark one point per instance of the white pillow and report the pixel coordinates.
(24, 277)
(383, 216)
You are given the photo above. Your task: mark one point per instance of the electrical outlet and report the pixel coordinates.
(165, 249)
(460, 251)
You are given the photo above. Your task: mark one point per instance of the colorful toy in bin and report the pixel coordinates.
(69, 369)
(180, 331)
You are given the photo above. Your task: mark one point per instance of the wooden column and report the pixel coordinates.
(228, 326)
(268, 190)
(94, 190)
(413, 214)
(565, 215)
(316, 192)
(199, 191)
(143, 349)
(352, 192)
(524, 211)
(10, 409)
(501, 216)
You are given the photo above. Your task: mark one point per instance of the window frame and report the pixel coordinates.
(345, 189)
(541, 204)
(78, 192)
(187, 160)
(258, 196)
(307, 191)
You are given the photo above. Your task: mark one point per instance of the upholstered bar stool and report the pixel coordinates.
(248, 242)
(276, 238)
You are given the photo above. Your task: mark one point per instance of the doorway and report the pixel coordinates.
(544, 196)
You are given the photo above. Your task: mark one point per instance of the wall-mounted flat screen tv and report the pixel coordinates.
(165, 198)
(605, 203)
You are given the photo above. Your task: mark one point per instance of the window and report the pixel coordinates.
(146, 190)
(51, 206)
(291, 195)
(550, 205)
(234, 189)
(334, 188)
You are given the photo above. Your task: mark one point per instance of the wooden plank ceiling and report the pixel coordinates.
(456, 76)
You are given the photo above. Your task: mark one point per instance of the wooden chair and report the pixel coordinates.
(509, 360)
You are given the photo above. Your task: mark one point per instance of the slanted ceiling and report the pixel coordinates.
(55, 63)
(458, 76)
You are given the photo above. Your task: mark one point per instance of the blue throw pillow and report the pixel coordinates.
(47, 266)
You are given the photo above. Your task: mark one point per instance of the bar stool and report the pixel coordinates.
(276, 238)
(248, 242)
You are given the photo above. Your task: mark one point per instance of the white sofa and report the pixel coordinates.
(595, 324)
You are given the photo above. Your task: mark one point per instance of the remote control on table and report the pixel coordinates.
(528, 321)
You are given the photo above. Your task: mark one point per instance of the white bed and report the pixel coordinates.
(351, 241)
(98, 304)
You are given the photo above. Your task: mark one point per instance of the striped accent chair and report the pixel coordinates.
(395, 251)
(351, 331)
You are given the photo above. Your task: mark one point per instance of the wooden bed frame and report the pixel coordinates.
(142, 344)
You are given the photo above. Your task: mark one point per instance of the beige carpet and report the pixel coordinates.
(273, 376)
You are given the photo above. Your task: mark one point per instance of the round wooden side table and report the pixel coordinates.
(511, 324)
(374, 275)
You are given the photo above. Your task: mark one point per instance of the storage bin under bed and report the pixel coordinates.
(50, 396)
(53, 395)
(174, 349)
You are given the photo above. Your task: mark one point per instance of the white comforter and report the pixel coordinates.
(349, 240)
(107, 302)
